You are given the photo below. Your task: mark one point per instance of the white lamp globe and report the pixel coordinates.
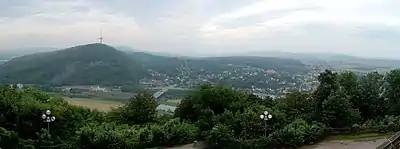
(48, 112)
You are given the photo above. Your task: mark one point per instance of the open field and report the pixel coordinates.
(107, 105)
(101, 105)
(170, 102)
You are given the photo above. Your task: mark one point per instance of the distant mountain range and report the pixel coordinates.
(326, 59)
(7, 54)
(331, 59)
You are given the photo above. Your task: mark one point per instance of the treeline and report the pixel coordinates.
(221, 117)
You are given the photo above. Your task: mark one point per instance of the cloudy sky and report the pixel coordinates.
(357, 27)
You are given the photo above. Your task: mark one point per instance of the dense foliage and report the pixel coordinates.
(230, 119)
(222, 117)
(134, 125)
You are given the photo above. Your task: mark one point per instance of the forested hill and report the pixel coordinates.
(85, 64)
(170, 65)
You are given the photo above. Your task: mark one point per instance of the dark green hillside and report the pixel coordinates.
(85, 64)
(279, 64)
(163, 64)
(169, 65)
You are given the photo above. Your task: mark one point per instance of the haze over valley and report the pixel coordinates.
(237, 74)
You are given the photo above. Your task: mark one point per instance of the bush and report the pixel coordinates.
(105, 136)
(221, 137)
(296, 134)
(179, 132)
(112, 135)
(9, 139)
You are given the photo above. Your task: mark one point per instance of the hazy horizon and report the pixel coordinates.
(31, 50)
(363, 28)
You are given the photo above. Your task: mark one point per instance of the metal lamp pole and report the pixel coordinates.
(265, 117)
(48, 119)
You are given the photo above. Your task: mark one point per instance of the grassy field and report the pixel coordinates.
(107, 105)
(170, 102)
(101, 105)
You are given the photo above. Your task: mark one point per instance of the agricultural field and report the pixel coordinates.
(170, 102)
(101, 105)
(107, 105)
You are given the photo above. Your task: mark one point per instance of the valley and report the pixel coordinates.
(102, 71)
(130, 87)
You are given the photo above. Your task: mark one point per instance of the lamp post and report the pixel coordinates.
(265, 117)
(48, 119)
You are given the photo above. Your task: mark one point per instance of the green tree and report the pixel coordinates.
(221, 137)
(337, 111)
(141, 109)
(9, 139)
(296, 105)
(370, 98)
(393, 91)
(328, 85)
(348, 82)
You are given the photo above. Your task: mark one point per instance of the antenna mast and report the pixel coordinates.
(101, 36)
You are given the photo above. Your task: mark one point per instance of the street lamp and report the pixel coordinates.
(265, 117)
(48, 119)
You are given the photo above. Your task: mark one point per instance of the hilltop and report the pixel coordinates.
(83, 65)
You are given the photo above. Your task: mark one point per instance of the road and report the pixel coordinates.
(163, 90)
(160, 92)
(171, 88)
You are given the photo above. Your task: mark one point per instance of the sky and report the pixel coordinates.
(368, 28)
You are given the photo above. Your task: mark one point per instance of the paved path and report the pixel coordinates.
(346, 144)
(187, 146)
(332, 144)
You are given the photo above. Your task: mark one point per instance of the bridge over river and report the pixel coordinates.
(161, 92)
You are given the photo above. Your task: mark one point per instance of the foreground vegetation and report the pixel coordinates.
(223, 118)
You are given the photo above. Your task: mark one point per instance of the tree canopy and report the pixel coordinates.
(219, 116)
